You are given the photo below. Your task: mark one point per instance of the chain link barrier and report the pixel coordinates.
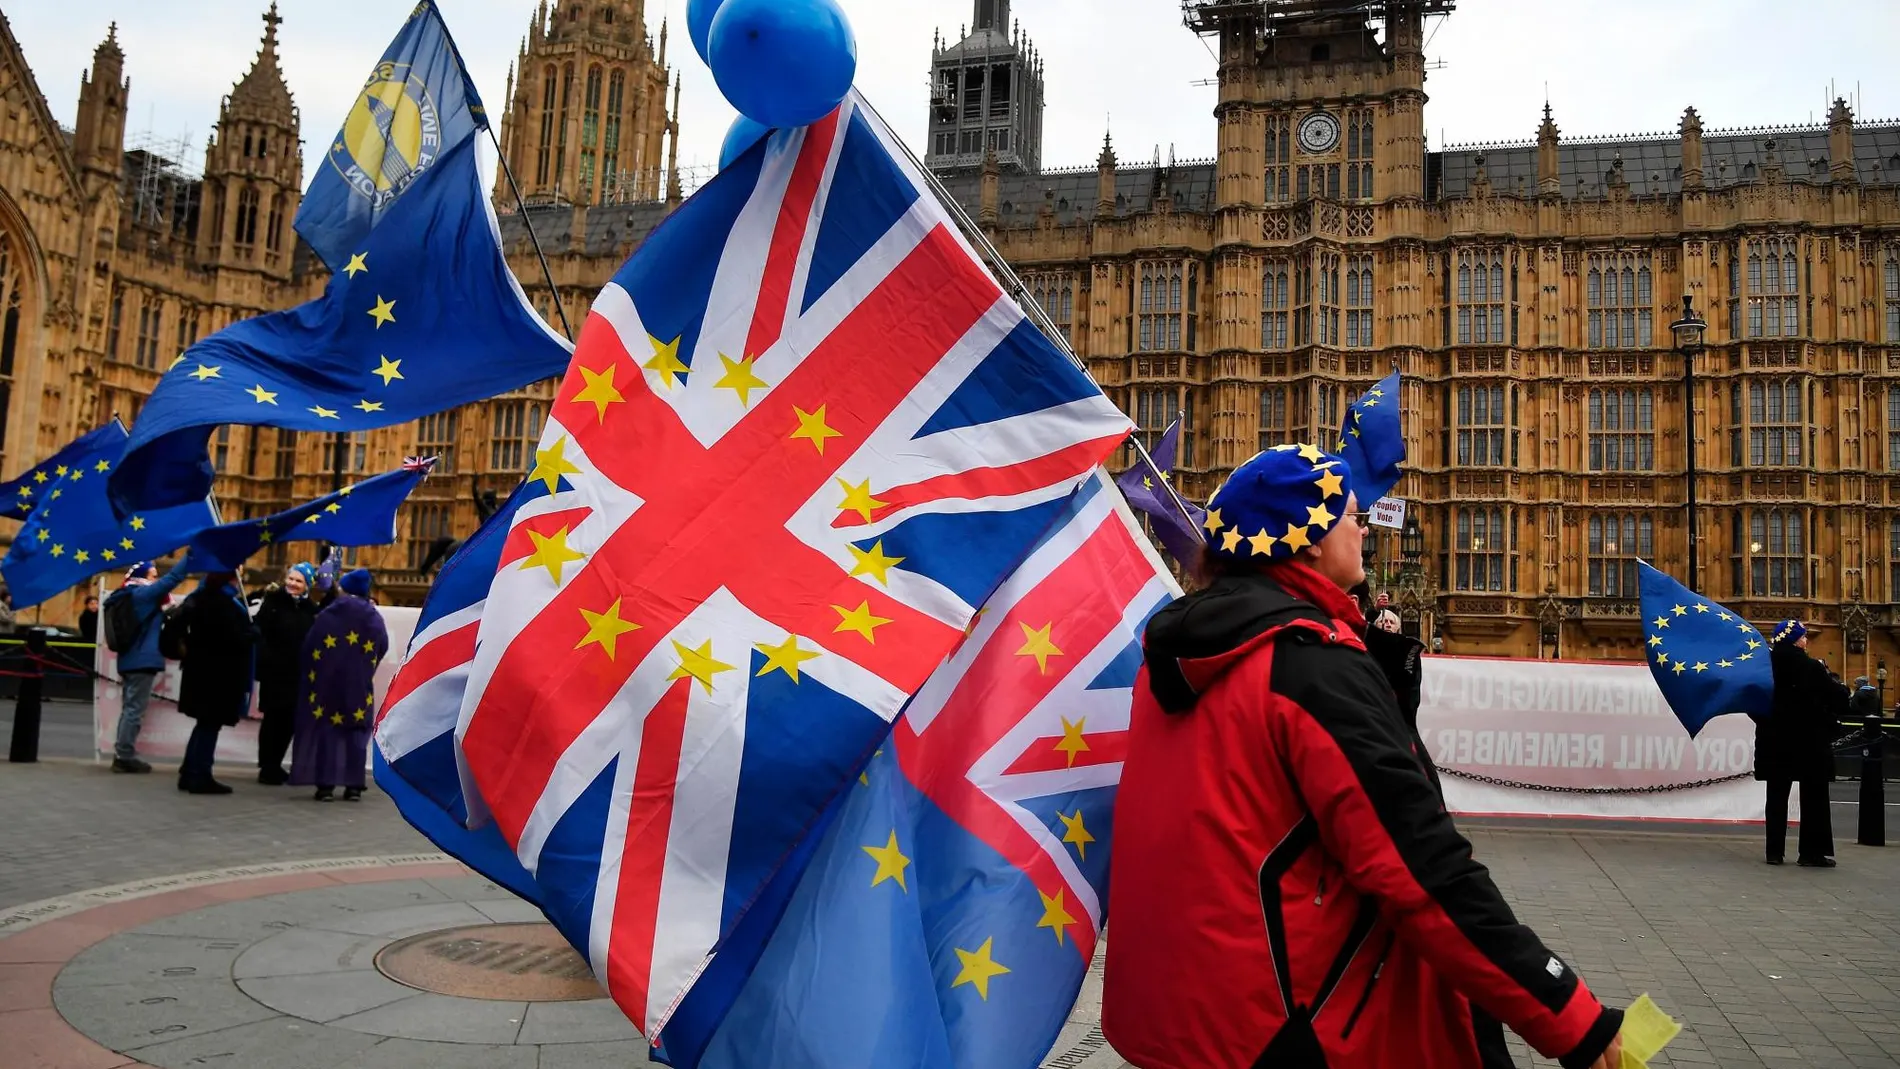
(1844, 744)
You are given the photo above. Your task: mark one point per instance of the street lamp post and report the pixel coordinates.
(1689, 332)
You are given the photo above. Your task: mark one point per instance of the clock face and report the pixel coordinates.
(1319, 132)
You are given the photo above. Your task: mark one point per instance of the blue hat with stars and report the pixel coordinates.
(1283, 500)
(1789, 633)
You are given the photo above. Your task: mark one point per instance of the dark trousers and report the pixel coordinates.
(200, 750)
(274, 735)
(1817, 819)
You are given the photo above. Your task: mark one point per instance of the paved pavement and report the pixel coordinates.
(1764, 966)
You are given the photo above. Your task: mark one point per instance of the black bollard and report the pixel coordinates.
(1873, 786)
(25, 746)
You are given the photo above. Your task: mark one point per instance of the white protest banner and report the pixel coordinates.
(164, 730)
(1551, 728)
(1388, 512)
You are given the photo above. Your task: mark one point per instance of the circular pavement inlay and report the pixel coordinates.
(509, 962)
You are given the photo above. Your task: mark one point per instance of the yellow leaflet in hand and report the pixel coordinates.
(1646, 1031)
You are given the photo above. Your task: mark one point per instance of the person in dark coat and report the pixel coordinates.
(1795, 743)
(336, 706)
(1400, 658)
(218, 670)
(89, 619)
(284, 616)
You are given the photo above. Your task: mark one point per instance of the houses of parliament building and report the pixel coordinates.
(1525, 291)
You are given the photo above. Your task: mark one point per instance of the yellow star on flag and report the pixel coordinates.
(107, 555)
(813, 428)
(360, 714)
(207, 372)
(61, 471)
(739, 378)
(337, 719)
(44, 535)
(785, 657)
(1318, 516)
(1661, 624)
(891, 863)
(873, 562)
(865, 776)
(384, 312)
(1655, 640)
(125, 543)
(860, 620)
(1295, 537)
(605, 628)
(1072, 742)
(1680, 668)
(39, 477)
(1701, 666)
(978, 968)
(697, 664)
(1260, 544)
(262, 396)
(81, 557)
(1213, 522)
(666, 361)
(101, 467)
(1311, 454)
(858, 499)
(329, 642)
(1054, 915)
(59, 550)
(551, 552)
(322, 412)
(334, 506)
(1701, 608)
(1725, 664)
(357, 263)
(309, 519)
(367, 405)
(1330, 483)
(1230, 540)
(598, 392)
(1744, 656)
(138, 523)
(389, 369)
(1681, 610)
(552, 463)
(1037, 644)
(1073, 832)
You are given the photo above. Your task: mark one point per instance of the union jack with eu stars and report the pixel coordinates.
(804, 435)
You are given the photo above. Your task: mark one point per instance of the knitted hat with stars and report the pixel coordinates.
(1789, 633)
(1283, 500)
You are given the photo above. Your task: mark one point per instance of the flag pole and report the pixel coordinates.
(1012, 283)
(521, 206)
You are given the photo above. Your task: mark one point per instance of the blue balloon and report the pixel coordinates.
(699, 20)
(783, 63)
(744, 134)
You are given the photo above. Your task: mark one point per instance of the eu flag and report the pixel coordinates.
(18, 495)
(72, 533)
(1145, 487)
(1371, 443)
(421, 313)
(363, 514)
(1707, 660)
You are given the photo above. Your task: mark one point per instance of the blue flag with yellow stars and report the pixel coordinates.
(72, 533)
(360, 515)
(421, 314)
(1707, 660)
(1371, 443)
(1145, 487)
(18, 496)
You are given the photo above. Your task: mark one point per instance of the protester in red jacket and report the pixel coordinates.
(1288, 890)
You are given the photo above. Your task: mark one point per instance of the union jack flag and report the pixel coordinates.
(804, 435)
(953, 908)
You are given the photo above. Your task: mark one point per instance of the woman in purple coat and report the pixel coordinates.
(336, 706)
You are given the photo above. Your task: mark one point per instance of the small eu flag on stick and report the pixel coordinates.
(1706, 659)
(1146, 486)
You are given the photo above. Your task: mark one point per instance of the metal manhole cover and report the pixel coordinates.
(512, 962)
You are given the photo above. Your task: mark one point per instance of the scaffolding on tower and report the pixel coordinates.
(1212, 16)
(161, 190)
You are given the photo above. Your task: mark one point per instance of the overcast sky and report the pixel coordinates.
(1609, 66)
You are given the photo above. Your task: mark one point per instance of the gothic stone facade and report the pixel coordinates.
(1526, 291)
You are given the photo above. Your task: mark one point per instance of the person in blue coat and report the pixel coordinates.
(141, 662)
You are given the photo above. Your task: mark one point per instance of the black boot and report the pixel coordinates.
(326, 794)
(130, 764)
(206, 785)
(352, 794)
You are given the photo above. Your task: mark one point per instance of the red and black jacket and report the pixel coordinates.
(1288, 890)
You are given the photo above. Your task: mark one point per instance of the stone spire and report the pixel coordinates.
(674, 194)
(1105, 178)
(262, 89)
(1691, 149)
(1550, 181)
(99, 132)
(1840, 142)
